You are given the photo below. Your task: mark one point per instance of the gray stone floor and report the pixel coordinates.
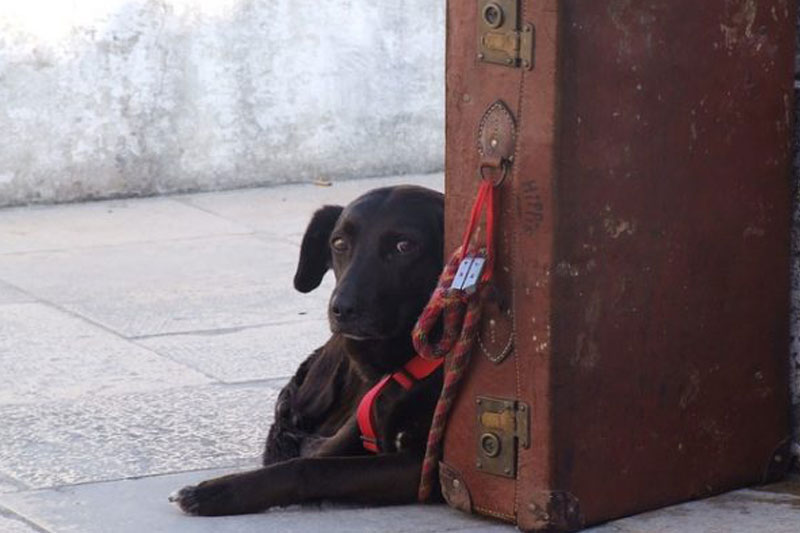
(142, 345)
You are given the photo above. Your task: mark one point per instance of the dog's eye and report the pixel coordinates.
(339, 244)
(405, 246)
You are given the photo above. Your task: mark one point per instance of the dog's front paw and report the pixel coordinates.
(209, 498)
(185, 499)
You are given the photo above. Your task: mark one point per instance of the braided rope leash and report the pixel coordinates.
(457, 300)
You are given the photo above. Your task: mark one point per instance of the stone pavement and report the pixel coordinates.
(142, 345)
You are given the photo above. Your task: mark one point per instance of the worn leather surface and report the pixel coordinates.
(525, 224)
(454, 489)
(644, 241)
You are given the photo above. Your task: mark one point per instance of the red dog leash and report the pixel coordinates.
(414, 370)
(457, 300)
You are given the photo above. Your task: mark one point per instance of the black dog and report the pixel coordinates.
(386, 251)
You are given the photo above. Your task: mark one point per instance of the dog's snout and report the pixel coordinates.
(343, 308)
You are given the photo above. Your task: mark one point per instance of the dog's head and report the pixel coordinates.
(386, 251)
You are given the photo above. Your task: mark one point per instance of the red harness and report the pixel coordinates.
(416, 369)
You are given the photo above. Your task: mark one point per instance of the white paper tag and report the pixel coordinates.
(474, 273)
(461, 273)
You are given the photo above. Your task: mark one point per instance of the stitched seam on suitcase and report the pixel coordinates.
(514, 250)
(496, 514)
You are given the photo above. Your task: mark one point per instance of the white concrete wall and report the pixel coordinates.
(104, 98)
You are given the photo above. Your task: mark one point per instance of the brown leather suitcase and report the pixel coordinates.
(635, 352)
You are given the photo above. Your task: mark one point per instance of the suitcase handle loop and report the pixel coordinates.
(494, 164)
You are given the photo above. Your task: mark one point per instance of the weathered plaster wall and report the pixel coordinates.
(103, 98)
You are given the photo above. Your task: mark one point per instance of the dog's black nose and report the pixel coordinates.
(343, 308)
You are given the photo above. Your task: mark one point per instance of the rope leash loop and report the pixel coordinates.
(444, 303)
(457, 300)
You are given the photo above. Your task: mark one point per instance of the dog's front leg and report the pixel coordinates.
(374, 480)
(346, 442)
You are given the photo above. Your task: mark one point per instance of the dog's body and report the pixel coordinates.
(386, 250)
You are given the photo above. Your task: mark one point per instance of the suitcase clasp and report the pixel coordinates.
(503, 426)
(502, 39)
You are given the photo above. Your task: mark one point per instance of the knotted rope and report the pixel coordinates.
(460, 311)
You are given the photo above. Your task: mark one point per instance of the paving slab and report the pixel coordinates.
(133, 506)
(285, 211)
(169, 287)
(772, 509)
(244, 354)
(140, 505)
(12, 523)
(47, 354)
(9, 484)
(116, 222)
(131, 435)
(10, 295)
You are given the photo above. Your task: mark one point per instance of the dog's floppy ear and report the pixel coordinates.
(315, 253)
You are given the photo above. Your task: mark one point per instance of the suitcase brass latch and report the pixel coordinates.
(502, 38)
(502, 427)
